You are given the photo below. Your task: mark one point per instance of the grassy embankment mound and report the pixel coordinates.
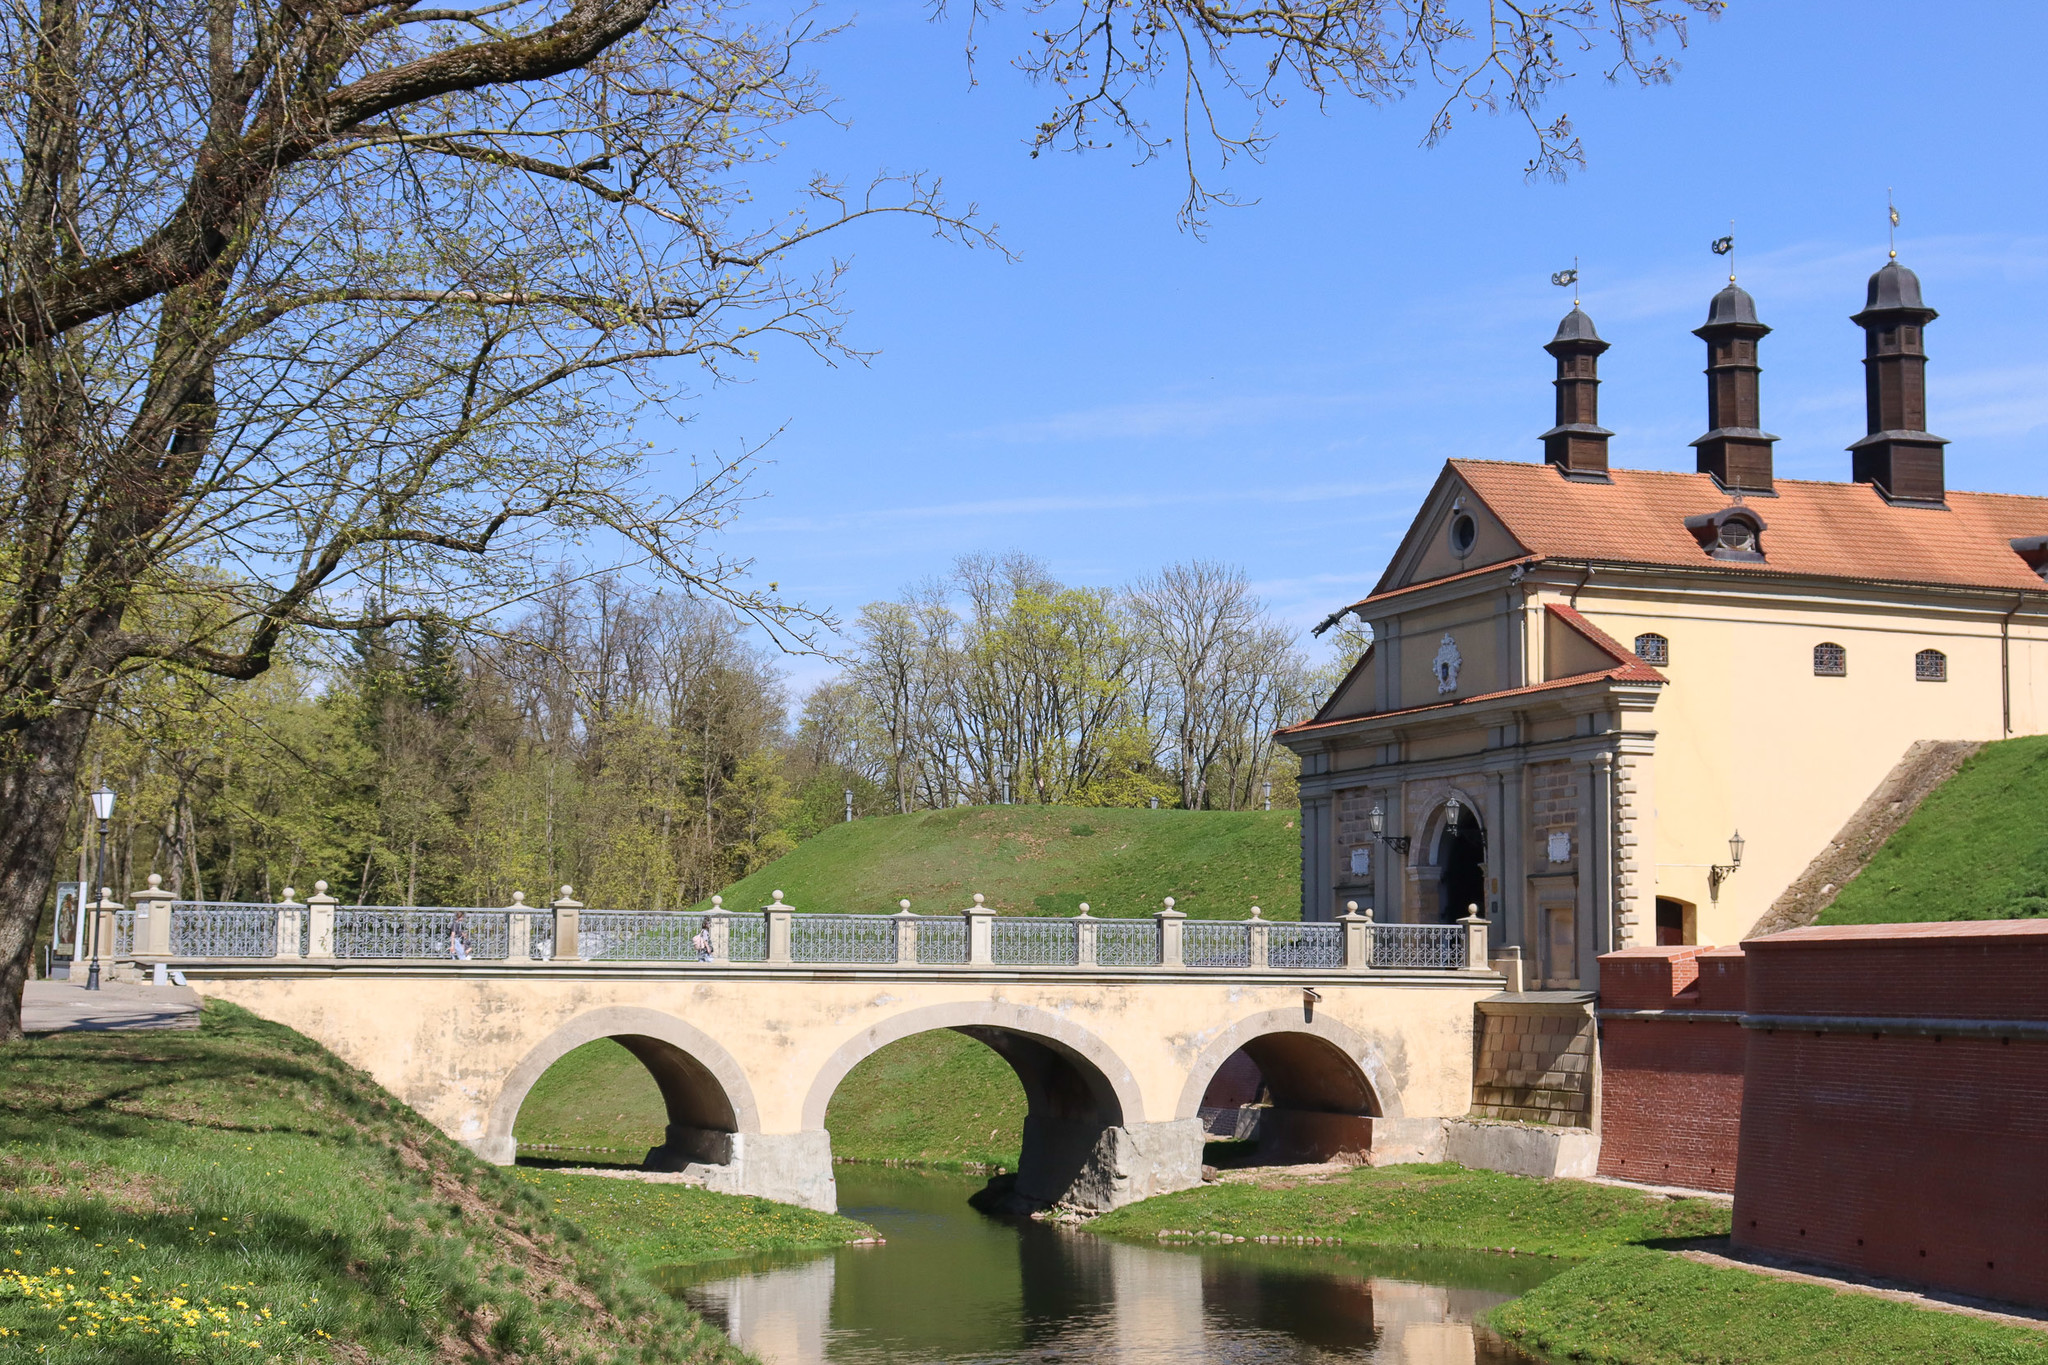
(235, 1192)
(1977, 848)
(1448, 1208)
(941, 1099)
(1646, 1307)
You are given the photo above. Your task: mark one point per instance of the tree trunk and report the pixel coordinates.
(36, 792)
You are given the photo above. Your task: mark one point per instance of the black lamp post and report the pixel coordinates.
(103, 810)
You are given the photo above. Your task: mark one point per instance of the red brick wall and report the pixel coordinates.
(1917, 1158)
(1670, 1089)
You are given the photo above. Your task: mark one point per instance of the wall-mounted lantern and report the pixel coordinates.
(1720, 872)
(1378, 823)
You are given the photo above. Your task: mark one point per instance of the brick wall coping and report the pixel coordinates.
(1917, 932)
(2031, 1030)
(1678, 1016)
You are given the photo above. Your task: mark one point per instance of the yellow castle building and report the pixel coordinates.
(1618, 707)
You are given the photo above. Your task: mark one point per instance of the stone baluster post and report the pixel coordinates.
(1259, 931)
(1357, 937)
(906, 935)
(721, 930)
(1084, 938)
(1169, 934)
(518, 930)
(103, 911)
(1475, 939)
(291, 920)
(981, 939)
(319, 922)
(778, 929)
(152, 920)
(568, 926)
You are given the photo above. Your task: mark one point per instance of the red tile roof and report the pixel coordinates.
(1628, 668)
(1829, 530)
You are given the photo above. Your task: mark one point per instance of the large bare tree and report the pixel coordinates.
(331, 314)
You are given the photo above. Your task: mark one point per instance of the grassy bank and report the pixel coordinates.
(1647, 1307)
(1043, 860)
(1444, 1207)
(236, 1193)
(660, 1225)
(1976, 848)
(938, 1099)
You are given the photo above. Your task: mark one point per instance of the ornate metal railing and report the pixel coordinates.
(978, 937)
(1127, 943)
(1207, 943)
(1432, 947)
(842, 938)
(1034, 942)
(941, 941)
(639, 936)
(403, 931)
(1307, 947)
(223, 929)
(748, 938)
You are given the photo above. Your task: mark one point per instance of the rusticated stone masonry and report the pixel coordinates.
(1535, 1062)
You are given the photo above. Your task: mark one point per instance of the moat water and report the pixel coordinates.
(953, 1285)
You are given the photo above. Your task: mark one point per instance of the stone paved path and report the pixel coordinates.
(57, 1006)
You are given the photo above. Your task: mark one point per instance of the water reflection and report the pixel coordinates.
(954, 1286)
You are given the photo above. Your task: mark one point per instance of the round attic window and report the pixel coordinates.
(1464, 534)
(1737, 534)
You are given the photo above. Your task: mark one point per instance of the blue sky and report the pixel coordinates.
(1280, 393)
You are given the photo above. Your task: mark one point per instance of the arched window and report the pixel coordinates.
(1930, 665)
(1653, 649)
(1830, 660)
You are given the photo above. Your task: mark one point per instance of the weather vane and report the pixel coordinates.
(1892, 212)
(1725, 246)
(1564, 279)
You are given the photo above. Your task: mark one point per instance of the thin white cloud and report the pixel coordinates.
(1189, 416)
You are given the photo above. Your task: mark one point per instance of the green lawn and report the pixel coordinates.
(1043, 860)
(235, 1192)
(938, 1099)
(659, 1225)
(1446, 1207)
(1977, 848)
(1636, 1306)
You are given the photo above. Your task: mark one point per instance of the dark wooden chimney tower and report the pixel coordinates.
(1735, 450)
(1577, 445)
(1899, 455)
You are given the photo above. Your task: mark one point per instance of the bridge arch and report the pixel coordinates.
(1060, 1064)
(703, 1088)
(1317, 1063)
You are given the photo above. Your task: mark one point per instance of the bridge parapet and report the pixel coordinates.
(778, 937)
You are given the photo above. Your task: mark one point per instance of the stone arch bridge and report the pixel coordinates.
(1364, 1033)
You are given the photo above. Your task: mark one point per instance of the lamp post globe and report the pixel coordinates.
(103, 811)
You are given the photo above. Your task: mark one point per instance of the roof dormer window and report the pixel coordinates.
(2033, 549)
(1731, 533)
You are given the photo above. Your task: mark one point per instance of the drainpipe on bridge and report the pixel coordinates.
(981, 944)
(1475, 940)
(319, 921)
(291, 918)
(906, 935)
(778, 929)
(1084, 937)
(1258, 931)
(1169, 935)
(568, 926)
(152, 920)
(1357, 937)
